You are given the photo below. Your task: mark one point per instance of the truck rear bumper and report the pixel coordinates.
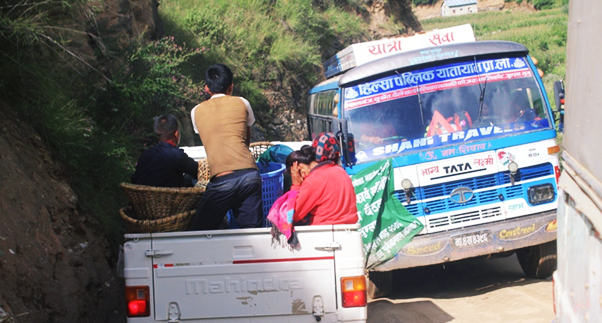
(474, 241)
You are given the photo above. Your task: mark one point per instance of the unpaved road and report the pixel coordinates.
(473, 291)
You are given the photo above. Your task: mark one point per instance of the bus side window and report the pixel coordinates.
(320, 111)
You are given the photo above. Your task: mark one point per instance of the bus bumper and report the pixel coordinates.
(474, 241)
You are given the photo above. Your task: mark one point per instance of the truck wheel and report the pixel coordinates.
(538, 261)
(380, 284)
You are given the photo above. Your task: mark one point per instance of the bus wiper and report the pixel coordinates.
(420, 103)
(481, 88)
(481, 98)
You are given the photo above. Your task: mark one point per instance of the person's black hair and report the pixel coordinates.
(166, 126)
(305, 155)
(218, 78)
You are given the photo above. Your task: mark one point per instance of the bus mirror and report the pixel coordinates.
(335, 125)
(346, 140)
(559, 98)
(559, 95)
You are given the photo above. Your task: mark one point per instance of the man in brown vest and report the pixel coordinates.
(224, 125)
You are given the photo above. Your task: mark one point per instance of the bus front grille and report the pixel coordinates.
(463, 218)
(438, 201)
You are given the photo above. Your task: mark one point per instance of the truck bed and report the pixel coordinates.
(243, 275)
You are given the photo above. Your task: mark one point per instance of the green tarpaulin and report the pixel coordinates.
(386, 224)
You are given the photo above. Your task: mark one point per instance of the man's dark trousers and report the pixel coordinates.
(240, 191)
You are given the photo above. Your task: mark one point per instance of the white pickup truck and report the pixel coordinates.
(241, 275)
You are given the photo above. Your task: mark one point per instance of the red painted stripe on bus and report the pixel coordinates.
(258, 261)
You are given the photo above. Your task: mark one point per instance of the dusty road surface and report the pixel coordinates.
(473, 291)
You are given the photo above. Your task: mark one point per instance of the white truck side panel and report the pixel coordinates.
(577, 283)
(241, 276)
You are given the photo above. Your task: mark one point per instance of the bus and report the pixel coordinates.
(472, 139)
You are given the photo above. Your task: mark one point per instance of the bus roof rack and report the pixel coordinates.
(386, 65)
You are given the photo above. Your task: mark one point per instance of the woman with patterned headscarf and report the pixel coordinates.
(325, 192)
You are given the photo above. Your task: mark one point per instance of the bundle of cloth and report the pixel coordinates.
(281, 217)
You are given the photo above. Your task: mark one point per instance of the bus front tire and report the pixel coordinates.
(538, 261)
(380, 284)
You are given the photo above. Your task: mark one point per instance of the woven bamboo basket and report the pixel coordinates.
(177, 222)
(204, 174)
(151, 203)
(259, 147)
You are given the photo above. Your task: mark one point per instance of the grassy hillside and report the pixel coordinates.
(543, 32)
(274, 47)
(259, 37)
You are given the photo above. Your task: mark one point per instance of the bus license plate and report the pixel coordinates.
(471, 239)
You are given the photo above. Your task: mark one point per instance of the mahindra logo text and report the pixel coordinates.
(227, 285)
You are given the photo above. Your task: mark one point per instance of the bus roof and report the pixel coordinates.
(330, 84)
(428, 55)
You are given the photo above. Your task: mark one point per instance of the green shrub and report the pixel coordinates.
(149, 83)
(424, 2)
(543, 4)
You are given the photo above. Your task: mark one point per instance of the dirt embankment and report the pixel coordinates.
(55, 261)
(382, 12)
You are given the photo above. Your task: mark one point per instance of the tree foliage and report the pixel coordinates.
(424, 2)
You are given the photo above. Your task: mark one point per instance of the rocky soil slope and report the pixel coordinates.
(55, 263)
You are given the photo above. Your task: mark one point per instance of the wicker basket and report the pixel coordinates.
(204, 173)
(151, 203)
(176, 222)
(259, 147)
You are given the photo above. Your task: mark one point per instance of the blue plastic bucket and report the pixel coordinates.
(272, 176)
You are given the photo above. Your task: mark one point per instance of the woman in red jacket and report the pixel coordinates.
(325, 192)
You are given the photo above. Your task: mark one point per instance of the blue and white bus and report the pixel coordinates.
(473, 142)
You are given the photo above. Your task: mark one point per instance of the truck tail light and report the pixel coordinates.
(138, 301)
(557, 173)
(353, 290)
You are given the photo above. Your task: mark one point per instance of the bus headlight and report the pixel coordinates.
(513, 167)
(406, 184)
(540, 194)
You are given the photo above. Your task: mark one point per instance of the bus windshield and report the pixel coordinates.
(450, 104)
